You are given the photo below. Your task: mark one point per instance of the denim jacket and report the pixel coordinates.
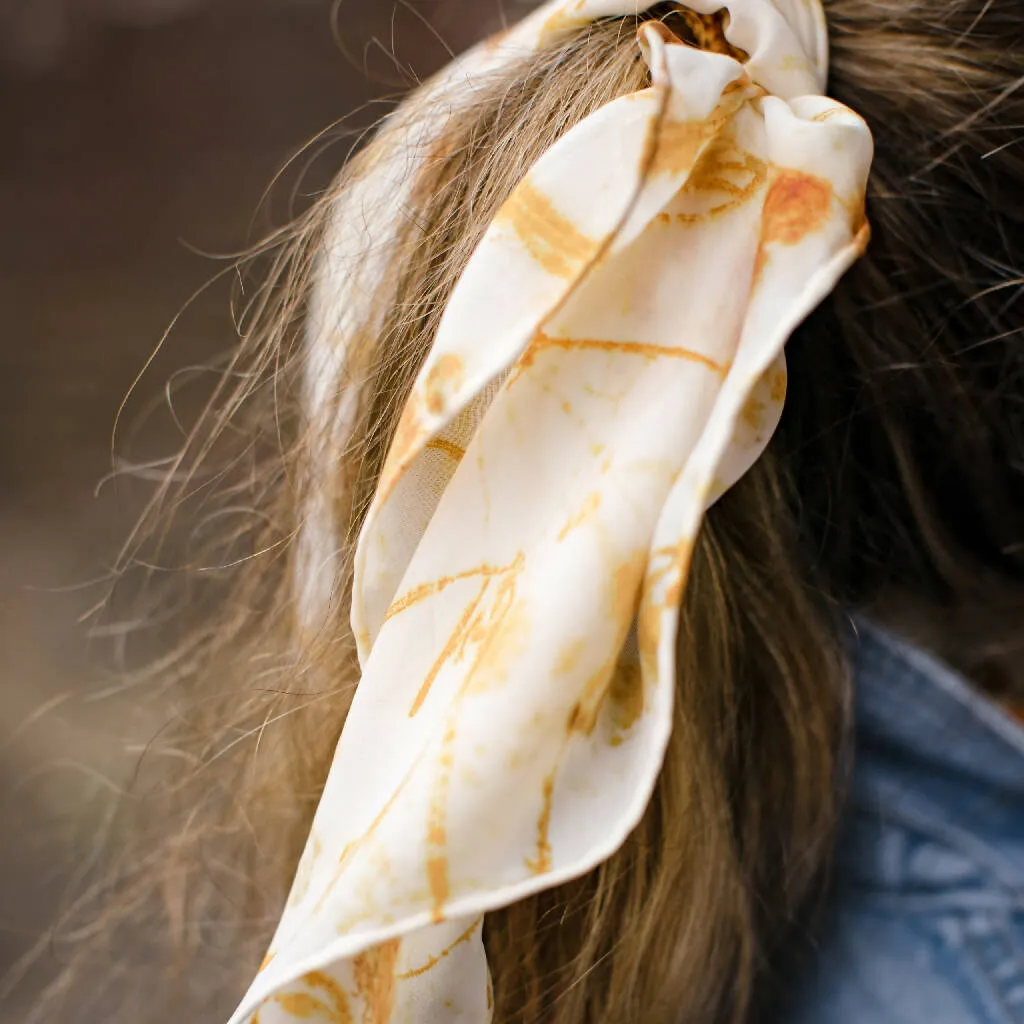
(927, 924)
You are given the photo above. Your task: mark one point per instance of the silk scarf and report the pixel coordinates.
(610, 362)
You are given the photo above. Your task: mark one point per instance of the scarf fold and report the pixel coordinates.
(609, 364)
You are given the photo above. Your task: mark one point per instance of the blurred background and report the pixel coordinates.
(137, 138)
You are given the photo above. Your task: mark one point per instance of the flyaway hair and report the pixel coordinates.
(373, 372)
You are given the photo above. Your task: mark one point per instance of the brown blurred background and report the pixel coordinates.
(134, 135)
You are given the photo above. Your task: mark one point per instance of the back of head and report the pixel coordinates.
(896, 477)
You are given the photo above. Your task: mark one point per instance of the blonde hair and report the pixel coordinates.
(685, 922)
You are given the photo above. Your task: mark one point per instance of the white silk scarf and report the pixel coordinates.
(608, 365)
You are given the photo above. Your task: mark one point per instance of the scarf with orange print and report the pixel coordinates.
(519, 574)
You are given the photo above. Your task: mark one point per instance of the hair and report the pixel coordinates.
(897, 473)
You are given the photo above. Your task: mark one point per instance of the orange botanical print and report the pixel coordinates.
(409, 434)
(645, 350)
(332, 1008)
(443, 380)
(496, 630)
(433, 961)
(454, 647)
(828, 114)
(673, 146)
(615, 684)
(590, 505)
(797, 205)
(338, 999)
(726, 170)
(625, 590)
(752, 413)
(442, 383)
(553, 240)
(583, 715)
(375, 978)
(469, 627)
(861, 229)
(304, 872)
(424, 590)
(453, 451)
(540, 863)
(351, 847)
(677, 567)
(622, 599)
(662, 591)
(499, 633)
(437, 835)
(570, 656)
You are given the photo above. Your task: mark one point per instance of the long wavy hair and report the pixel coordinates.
(897, 477)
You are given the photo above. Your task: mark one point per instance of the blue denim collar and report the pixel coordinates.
(938, 777)
(910, 701)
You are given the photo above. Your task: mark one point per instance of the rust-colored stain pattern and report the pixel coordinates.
(727, 174)
(674, 146)
(454, 647)
(444, 378)
(453, 451)
(540, 863)
(437, 836)
(410, 432)
(472, 626)
(375, 978)
(797, 205)
(324, 1003)
(641, 349)
(609, 364)
(434, 960)
(549, 237)
(422, 591)
(590, 505)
